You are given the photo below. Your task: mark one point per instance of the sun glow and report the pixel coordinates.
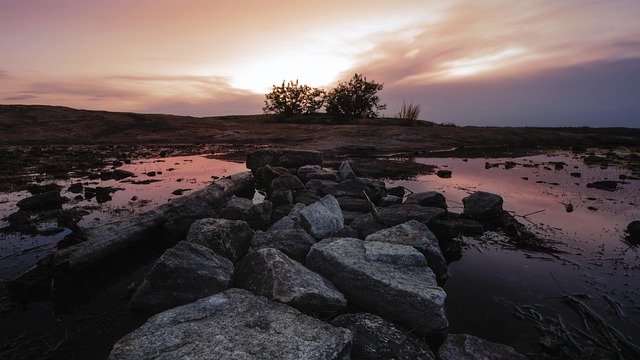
(472, 66)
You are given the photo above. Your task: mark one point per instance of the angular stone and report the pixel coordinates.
(229, 238)
(304, 172)
(419, 236)
(291, 220)
(258, 216)
(381, 283)
(183, 274)
(323, 217)
(345, 171)
(366, 225)
(283, 157)
(287, 182)
(295, 243)
(398, 214)
(482, 205)
(468, 347)
(316, 184)
(428, 198)
(376, 339)
(265, 175)
(233, 324)
(271, 273)
(281, 197)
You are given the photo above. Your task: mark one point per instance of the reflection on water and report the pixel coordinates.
(490, 281)
(155, 182)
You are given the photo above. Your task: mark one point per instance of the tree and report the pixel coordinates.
(356, 98)
(293, 99)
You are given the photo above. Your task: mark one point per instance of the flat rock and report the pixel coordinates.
(323, 217)
(468, 347)
(419, 236)
(183, 274)
(427, 198)
(271, 273)
(295, 243)
(482, 205)
(351, 188)
(229, 238)
(233, 324)
(283, 157)
(42, 201)
(304, 172)
(398, 214)
(383, 278)
(377, 339)
(353, 204)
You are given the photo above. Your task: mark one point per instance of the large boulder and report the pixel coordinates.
(428, 198)
(183, 274)
(468, 347)
(376, 339)
(229, 238)
(271, 273)
(258, 216)
(42, 201)
(295, 243)
(323, 217)
(398, 214)
(389, 280)
(419, 236)
(233, 324)
(482, 205)
(283, 157)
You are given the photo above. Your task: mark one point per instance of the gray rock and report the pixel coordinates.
(351, 188)
(419, 236)
(183, 274)
(428, 198)
(323, 217)
(398, 214)
(379, 280)
(307, 197)
(376, 339)
(229, 238)
(295, 243)
(468, 347)
(233, 324)
(390, 200)
(482, 205)
(42, 201)
(281, 197)
(264, 175)
(258, 216)
(353, 204)
(366, 225)
(287, 182)
(291, 221)
(271, 273)
(327, 175)
(304, 172)
(283, 157)
(345, 171)
(316, 184)
(350, 216)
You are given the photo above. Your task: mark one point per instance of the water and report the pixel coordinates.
(491, 282)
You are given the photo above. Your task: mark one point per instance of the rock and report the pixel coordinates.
(445, 174)
(291, 220)
(295, 243)
(323, 217)
(281, 197)
(345, 171)
(447, 229)
(366, 225)
(428, 198)
(607, 185)
(120, 174)
(183, 274)
(284, 158)
(390, 200)
(327, 175)
(468, 347)
(396, 191)
(418, 236)
(47, 200)
(350, 216)
(233, 324)
(287, 182)
(398, 214)
(271, 273)
(305, 172)
(351, 188)
(35, 189)
(376, 339)
(353, 204)
(258, 216)
(265, 175)
(76, 188)
(633, 231)
(316, 184)
(229, 238)
(482, 205)
(306, 197)
(593, 160)
(386, 279)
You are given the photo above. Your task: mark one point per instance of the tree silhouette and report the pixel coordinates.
(292, 99)
(356, 98)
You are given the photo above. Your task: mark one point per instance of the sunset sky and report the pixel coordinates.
(491, 62)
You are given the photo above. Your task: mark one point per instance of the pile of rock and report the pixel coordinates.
(311, 272)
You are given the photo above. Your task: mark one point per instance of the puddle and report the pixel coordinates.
(155, 182)
(491, 283)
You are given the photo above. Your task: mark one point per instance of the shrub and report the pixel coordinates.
(292, 99)
(356, 98)
(409, 111)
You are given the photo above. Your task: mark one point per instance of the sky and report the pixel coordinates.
(485, 63)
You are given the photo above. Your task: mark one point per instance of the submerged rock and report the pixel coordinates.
(468, 347)
(233, 324)
(389, 280)
(271, 273)
(42, 201)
